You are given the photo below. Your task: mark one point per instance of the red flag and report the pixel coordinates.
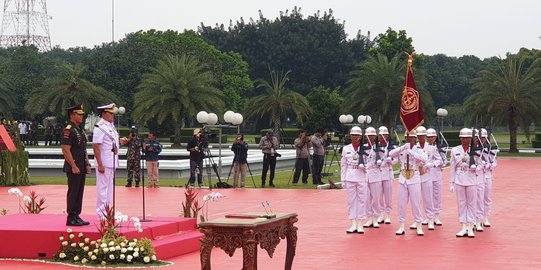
(411, 109)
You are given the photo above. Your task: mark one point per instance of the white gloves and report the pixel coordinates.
(473, 167)
(378, 162)
(452, 188)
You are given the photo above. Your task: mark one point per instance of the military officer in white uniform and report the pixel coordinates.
(490, 154)
(105, 142)
(464, 180)
(353, 176)
(409, 182)
(437, 178)
(387, 174)
(374, 207)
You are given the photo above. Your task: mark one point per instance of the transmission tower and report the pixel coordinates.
(25, 22)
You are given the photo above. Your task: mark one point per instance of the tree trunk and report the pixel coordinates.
(176, 141)
(513, 126)
(276, 126)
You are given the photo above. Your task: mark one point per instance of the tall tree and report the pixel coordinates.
(510, 92)
(65, 90)
(325, 104)
(7, 103)
(392, 43)
(177, 88)
(277, 101)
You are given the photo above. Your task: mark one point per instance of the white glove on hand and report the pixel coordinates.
(473, 167)
(389, 160)
(452, 188)
(378, 162)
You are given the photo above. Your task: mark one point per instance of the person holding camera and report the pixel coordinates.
(152, 149)
(302, 144)
(268, 146)
(240, 163)
(133, 156)
(195, 147)
(319, 141)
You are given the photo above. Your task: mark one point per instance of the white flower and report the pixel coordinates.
(87, 240)
(111, 256)
(96, 251)
(103, 245)
(103, 263)
(142, 249)
(213, 196)
(93, 257)
(129, 258)
(112, 243)
(123, 250)
(105, 250)
(65, 243)
(138, 227)
(130, 248)
(136, 254)
(69, 230)
(153, 257)
(92, 243)
(26, 199)
(62, 255)
(76, 258)
(84, 260)
(122, 256)
(117, 247)
(81, 244)
(120, 218)
(136, 249)
(90, 253)
(86, 249)
(123, 244)
(72, 236)
(135, 219)
(15, 191)
(73, 244)
(146, 259)
(80, 234)
(61, 238)
(112, 249)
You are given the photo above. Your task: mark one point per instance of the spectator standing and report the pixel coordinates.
(302, 144)
(240, 163)
(23, 132)
(319, 140)
(268, 146)
(152, 149)
(49, 129)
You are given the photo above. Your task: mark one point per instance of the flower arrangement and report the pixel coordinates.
(191, 207)
(214, 196)
(32, 204)
(111, 249)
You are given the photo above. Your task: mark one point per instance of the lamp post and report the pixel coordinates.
(119, 112)
(441, 113)
(211, 120)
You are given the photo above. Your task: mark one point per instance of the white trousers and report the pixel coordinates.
(466, 197)
(411, 193)
(387, 186)
(357, 193)
(104, 189)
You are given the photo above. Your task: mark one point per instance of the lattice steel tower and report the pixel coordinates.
(25, 22)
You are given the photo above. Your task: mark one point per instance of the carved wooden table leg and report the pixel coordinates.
(205, 250)
(249, 251)
(291, 237)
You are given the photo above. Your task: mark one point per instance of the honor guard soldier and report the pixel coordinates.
(427, 173)
(490, 154)
(374, 207)
(480, 170)
(353, 175)
(464, 179)
(105, 142)
(437, 178)
(409, 182)
(76, 165)
(387, 174)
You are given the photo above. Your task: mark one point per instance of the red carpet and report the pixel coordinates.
(511, 243)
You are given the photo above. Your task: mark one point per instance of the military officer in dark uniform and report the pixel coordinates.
(76, 164)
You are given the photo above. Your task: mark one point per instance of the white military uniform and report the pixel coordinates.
(374, 205)
(354, 178)
(490, 165)
(106, 135)
(409, 188)
(428, 174)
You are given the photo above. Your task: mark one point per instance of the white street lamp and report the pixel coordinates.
(119, 112)
(441, 113)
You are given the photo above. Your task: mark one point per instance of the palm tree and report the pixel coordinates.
(6, 98)
(59, 93)
(509, 92)
(277, 101)
(179, 86)
(376, 89)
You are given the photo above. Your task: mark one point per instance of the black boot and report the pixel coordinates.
(136, 183)
(263, 184)
(129, 183)
(271, 184)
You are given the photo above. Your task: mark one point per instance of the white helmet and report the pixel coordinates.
(465, 133)
(484, 133)
(412, 133)
(421, 131)
(356, 130)
(370, 131)
(383, 130)
(431, 132)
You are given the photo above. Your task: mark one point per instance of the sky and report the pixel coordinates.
(455, 28)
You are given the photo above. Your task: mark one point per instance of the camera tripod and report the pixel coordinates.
(249, 170)
(210, 163)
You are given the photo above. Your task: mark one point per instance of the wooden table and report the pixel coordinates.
(246, 233)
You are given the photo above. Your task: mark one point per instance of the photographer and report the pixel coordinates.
(133, 155)
(152, 148)
(196, 146)
(303, 144)
(268, 146)
(240, 164)
(319, 141)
